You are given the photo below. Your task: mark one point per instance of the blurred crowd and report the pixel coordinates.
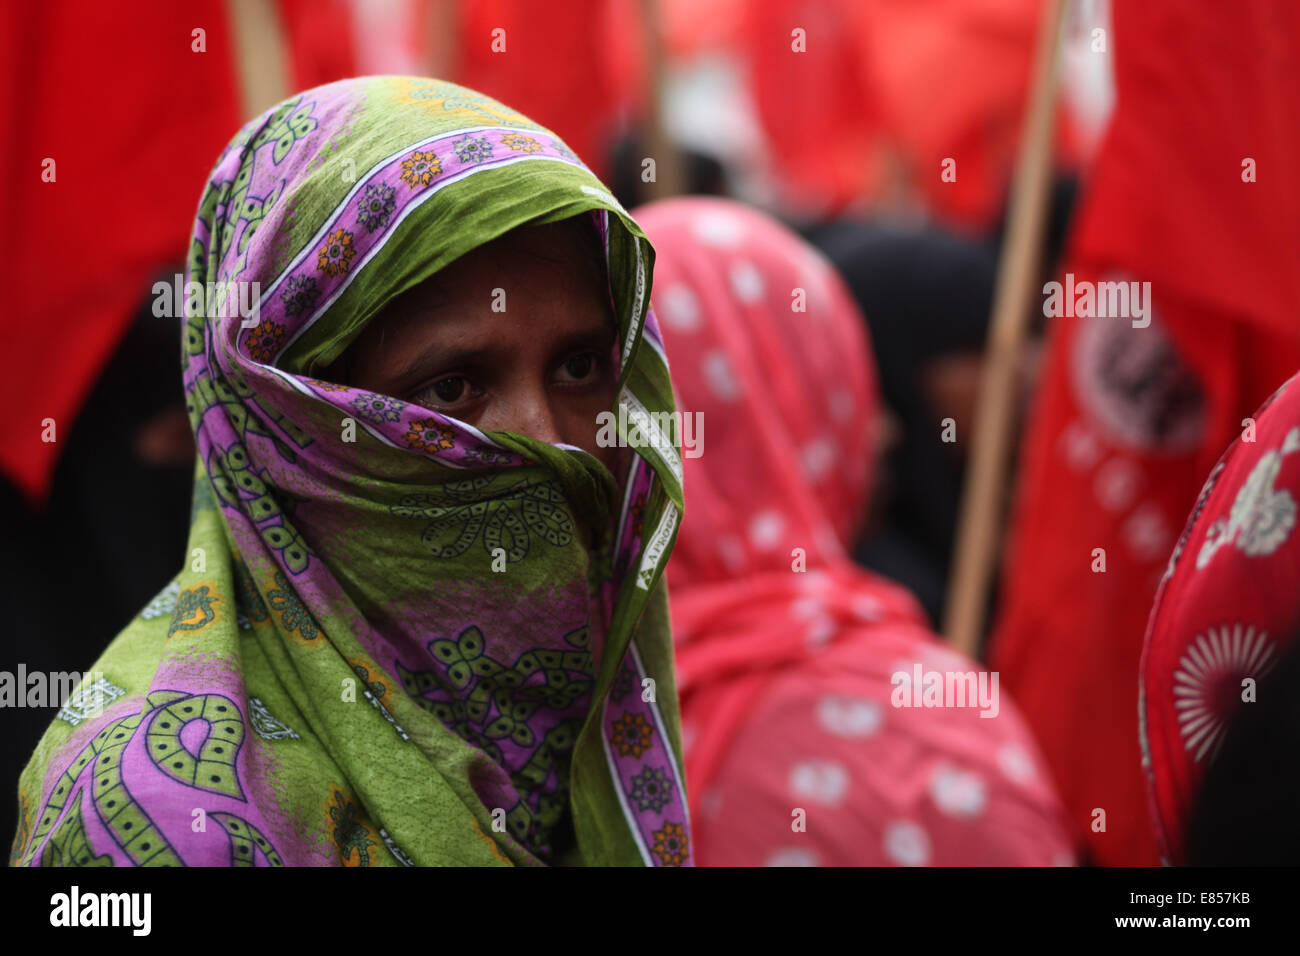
(875, 140)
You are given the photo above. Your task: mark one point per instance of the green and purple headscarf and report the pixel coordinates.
(396, 640)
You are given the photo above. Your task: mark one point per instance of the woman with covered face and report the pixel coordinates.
(420, 619)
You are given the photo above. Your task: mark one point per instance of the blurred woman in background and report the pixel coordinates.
(791, 658)
(1218, 714)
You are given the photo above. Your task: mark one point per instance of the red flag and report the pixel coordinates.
(860, 98)
(574, 66)
(1136, 407)
(115, 121)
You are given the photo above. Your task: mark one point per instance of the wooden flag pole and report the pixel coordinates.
(670, 176)
(977, 539)
(442, 29)
(260, 58)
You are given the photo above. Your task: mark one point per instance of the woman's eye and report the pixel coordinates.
(449, 390)
(579, 368)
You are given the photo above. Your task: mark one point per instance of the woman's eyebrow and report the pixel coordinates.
(436, 356)
(594, 339)
(484, 356)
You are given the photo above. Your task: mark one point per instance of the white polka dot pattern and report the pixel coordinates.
(678, 307)
(958, 793)
(747, 282)
(1015, 763)
(792, 856)
(820, 781)
(765, 530)
(907, 843)
(721, 380)
(849, 718)
(719, 229)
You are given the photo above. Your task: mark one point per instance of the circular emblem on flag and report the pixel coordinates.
(1136, 387)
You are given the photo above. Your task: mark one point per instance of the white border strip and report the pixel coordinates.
(654, 551)
(662, 444)
(663, 733)
(637, 316)
(633, 823)
(633, 473)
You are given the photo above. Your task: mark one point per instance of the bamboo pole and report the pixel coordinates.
(259, 55)
(442, 30)
(986, 475)
(670, 175)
